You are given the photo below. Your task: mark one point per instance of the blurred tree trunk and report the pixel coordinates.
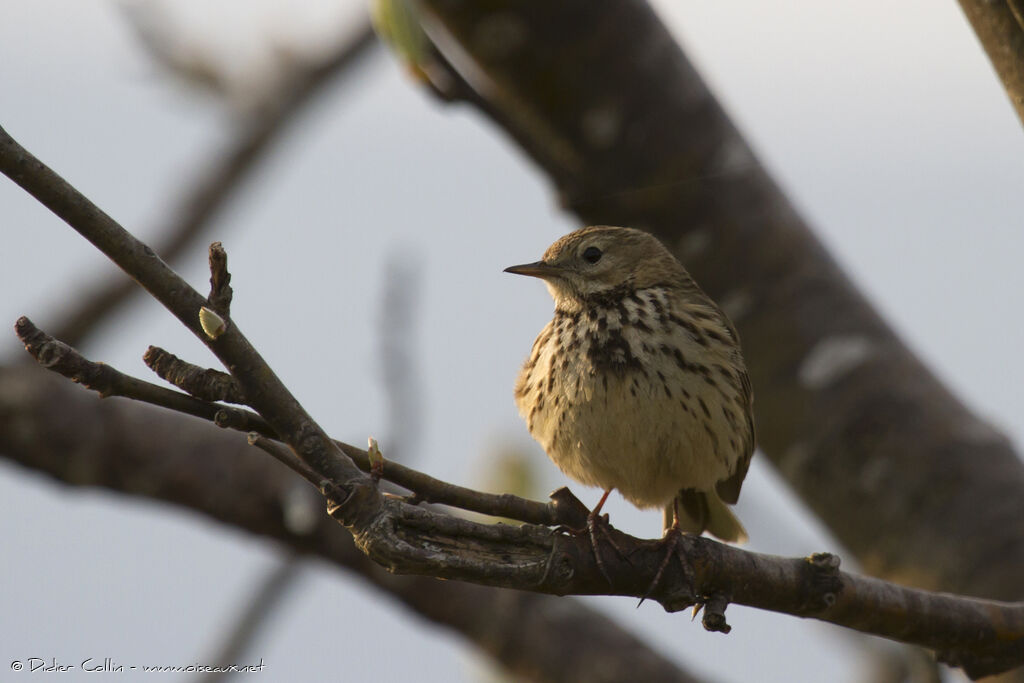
(600, 95)
(1000, 29)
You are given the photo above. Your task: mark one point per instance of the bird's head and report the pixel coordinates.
(599, 261)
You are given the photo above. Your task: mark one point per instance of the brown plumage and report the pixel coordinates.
(638, 383)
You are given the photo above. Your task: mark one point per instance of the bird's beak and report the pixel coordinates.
(539, 269)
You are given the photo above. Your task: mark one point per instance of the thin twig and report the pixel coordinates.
(59, 357)
(284, 456)
(203, 383)
(220, 281)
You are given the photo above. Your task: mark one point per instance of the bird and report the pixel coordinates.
(638, 383)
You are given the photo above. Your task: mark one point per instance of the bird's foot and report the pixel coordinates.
(670, 541)
(597, 526)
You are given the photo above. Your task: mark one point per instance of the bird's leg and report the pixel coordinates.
(671, 541)
(596, 512)
(595, 523)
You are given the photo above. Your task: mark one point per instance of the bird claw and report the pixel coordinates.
(671, 541)
(600, 523)
(596, 525)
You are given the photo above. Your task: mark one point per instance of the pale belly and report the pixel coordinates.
(645, 435)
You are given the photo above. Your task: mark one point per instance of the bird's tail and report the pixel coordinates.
(701, 511)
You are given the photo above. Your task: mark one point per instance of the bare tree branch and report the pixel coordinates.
(203, 383)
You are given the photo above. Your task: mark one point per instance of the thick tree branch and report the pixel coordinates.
(999, 25)
(918, 487)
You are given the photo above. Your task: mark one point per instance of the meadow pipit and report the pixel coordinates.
(638, 384)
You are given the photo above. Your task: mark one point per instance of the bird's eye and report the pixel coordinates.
(591, 254)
